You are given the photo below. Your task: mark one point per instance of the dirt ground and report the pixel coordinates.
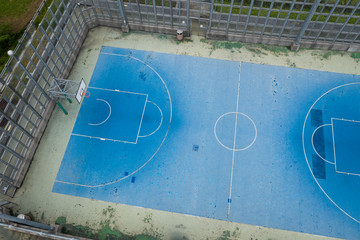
(17, 16)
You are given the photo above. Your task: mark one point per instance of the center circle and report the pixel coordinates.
(235, 131)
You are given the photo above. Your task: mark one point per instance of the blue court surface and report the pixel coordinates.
(256, 144)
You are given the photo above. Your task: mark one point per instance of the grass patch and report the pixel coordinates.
(278, 10)
(275, 49)
(18, 13)
(60, 220)
(106, 232)
(162, 36)
(326, 55)
(42, 13)
(223, 45)
(144, 237)
(8, 40)
(14, 8)
(355, 55)
(185, 40)
(164, 3)
(14, 17)
(123, 34)
(78, 230)
(255, 50)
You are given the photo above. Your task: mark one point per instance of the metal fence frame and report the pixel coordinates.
(49, 49)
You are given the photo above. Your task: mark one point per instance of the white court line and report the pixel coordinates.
(355, 174)
(234, 146)
(107, 139)
(312, 143)
(232, 149)
(170, 117)
(96, 124)
(347, 120)
(142, 116)
(307, 161)
(75, 184)
(116, 90)
(117, 54)
(333, 137)
(160, 121)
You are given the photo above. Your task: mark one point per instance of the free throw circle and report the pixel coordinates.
(235, 131)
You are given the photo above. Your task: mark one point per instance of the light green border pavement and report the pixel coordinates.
(35, 196)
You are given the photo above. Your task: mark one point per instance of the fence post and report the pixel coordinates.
(295, 46)
(188, 16)
(211, 15)
(124, 26)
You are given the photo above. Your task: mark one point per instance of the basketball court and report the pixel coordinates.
(249, 143)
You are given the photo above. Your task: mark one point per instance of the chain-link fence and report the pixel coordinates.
(50, 46)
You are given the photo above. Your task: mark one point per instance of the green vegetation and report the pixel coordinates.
(185, 40)
(14, 8)
(14, 17)
(355, 55)
(42, 13)
(123, 34)
(106, 232)
(8, 40)
(278, 10)
(144, 237)
(165, 3)
(161, 36)
(258, 49)
(223, 44)
(326, 55)
(60, 220)
(275, 49)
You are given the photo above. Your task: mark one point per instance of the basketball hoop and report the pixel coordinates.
(86, 94)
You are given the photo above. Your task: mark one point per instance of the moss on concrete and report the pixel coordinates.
(105, 233)
(222, 45)
(355, 55)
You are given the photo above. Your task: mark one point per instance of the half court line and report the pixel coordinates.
(234, 146)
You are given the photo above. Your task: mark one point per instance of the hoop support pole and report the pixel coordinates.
(61, 107)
